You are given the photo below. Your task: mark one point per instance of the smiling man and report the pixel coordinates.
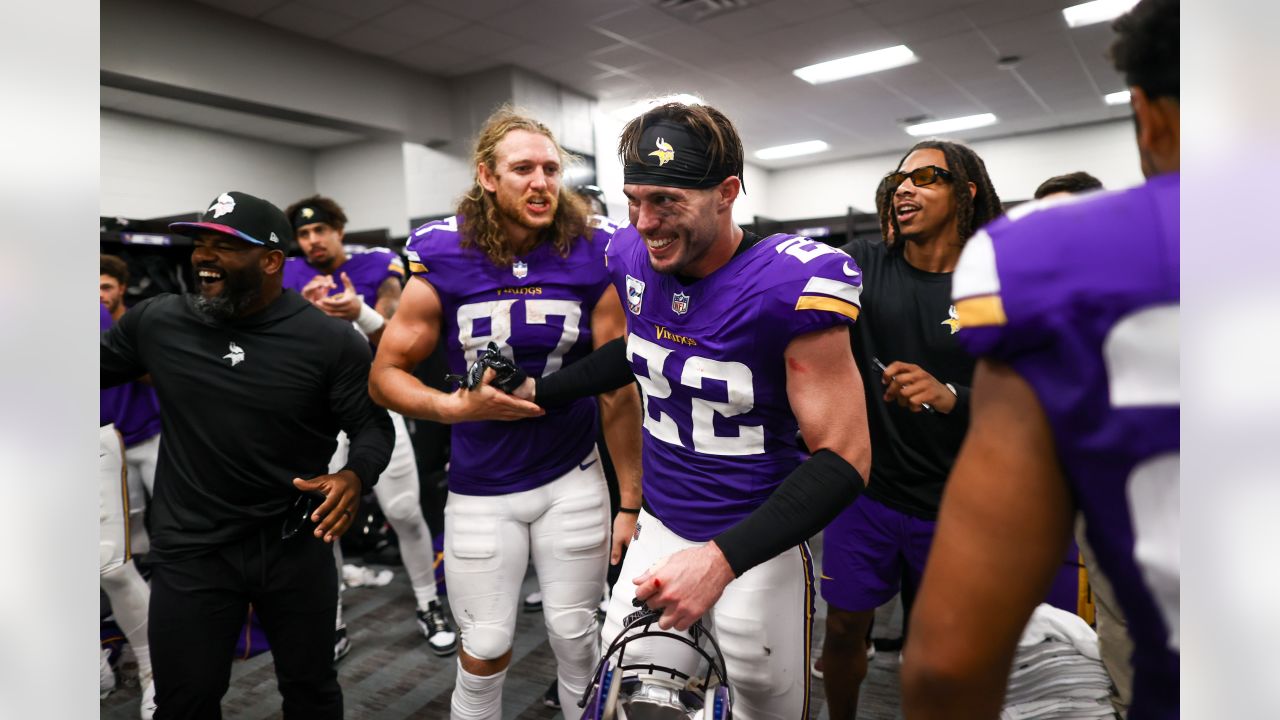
(917, 404)
(737, 341)
(521, 266)
(254, 385)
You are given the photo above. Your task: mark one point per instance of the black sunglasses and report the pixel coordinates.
(921, 176)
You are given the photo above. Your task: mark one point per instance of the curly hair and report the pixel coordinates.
(884, 211)
(1146, 47)
(114, 267)
(479, 208)
(972, 211)
(326, 204)
(724, 146)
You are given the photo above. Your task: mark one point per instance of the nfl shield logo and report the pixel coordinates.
(635, 294)
(520, 270)
(680, 303)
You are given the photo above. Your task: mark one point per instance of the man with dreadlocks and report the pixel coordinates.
(917, 395)
(737, 341)
(521, 266)
(1076, 408)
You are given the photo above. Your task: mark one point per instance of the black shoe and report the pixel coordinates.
(533, 601)
(341, 645)
(436, 628)
(551, 698)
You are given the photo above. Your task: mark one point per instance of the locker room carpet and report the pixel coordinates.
(390, 673)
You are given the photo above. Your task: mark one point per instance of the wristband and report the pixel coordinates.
(369, 320)
(629, 511)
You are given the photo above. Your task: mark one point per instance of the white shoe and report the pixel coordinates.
(533, 601)
(106, 676)
(148, 700)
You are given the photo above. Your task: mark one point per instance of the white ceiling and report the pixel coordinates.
(741, 60)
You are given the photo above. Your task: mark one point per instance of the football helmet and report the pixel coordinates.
(659, 693)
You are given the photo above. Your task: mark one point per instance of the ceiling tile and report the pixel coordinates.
(249, 8)
(305, 20)
(376, 40)
(419, 21)
(362, 10)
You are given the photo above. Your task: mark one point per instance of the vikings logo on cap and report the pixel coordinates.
(665, 153)
(223, 205)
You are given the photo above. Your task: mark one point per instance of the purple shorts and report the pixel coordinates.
(866, 549)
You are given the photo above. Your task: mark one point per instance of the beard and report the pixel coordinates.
(240, 290)
(514, 210)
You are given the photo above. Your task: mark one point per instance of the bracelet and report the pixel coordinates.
(952, 388)
(629, 511)
(369, 321)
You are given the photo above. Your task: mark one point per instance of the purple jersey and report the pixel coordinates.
(368, 269)
(1081, 298)
(110, 400)
(719, 433)
(538, 310)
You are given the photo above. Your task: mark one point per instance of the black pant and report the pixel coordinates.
(199, 605)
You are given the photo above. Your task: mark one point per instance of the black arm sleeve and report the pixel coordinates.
(602, 371)
(367, 425)
(961, 410)
(806, 501)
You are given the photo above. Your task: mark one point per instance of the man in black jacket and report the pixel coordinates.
(254, 384)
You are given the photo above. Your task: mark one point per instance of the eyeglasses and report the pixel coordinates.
(921, 176)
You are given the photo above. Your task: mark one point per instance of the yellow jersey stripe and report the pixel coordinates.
(980, 311)
(396, 268)
(415, 267)
(814, 302)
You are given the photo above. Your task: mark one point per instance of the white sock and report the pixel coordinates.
(476, 697)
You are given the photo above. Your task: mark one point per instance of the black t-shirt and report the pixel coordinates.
(245, 407)
(907, 315)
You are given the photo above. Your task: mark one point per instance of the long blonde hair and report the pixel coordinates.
(479, 208)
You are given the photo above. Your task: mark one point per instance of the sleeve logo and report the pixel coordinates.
(635, 294)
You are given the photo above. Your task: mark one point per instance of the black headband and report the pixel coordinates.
(671, 156)
(308, 214)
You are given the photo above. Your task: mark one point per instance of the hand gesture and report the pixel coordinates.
(341, 492)
(911, 387)
(317, 288)
(684, 585)
(345, 305)
(486, 402)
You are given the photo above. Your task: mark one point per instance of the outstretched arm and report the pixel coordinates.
(407, 340)
(1002, 532)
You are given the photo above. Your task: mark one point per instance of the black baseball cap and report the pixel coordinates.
(243, 216)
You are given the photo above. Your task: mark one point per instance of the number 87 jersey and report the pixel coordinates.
(538, 311)
(719, 432)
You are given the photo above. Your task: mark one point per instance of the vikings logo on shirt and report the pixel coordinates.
(236, 356)
(520, 270)
(665, 153)
(680, 303)
(224, 205)
(635, 294)
(953, 321)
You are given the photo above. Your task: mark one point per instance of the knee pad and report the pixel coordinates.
(402, 508)
(486, 643)
(570, 623)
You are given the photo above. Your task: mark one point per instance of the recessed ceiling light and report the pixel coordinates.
(945, 126)
(1096, 11)
(642, 106)
(867, 62)
(808, 147)
(1117, 98)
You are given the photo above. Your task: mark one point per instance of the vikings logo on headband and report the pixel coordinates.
(681, 159)
(307, 215)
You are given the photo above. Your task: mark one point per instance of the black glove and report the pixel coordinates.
(509, 375)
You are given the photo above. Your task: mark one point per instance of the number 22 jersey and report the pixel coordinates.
(1081, 298)
(719, 432)
(538, 311)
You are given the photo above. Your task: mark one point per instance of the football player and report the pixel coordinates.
(369, 293)
(737, 341)
(520, 266)
(1075, 407)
